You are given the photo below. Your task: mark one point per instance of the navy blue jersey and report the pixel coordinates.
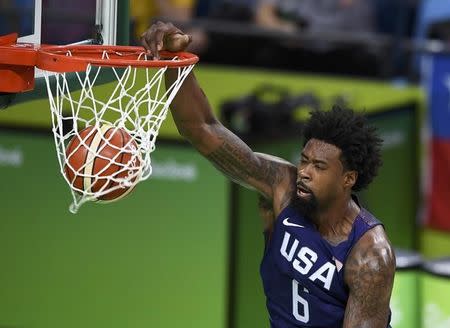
(303, 274)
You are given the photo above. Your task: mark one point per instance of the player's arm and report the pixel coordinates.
(196, 122)
(369, 274)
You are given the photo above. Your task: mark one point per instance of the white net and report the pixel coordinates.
(105, 132)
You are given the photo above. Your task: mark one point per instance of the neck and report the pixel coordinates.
(335, 221)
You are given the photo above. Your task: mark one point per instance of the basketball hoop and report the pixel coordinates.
(79, 101)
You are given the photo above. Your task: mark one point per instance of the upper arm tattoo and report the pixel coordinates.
(369, 275)
(236, 160)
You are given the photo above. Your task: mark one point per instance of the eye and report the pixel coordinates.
(320, 167)
(303, 163)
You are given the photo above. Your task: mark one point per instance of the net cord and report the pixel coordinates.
(139, 110)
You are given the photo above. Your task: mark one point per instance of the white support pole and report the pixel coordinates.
(106, 17)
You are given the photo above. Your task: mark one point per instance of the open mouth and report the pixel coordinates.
(302, 190)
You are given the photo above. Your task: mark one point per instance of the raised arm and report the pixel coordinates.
(369, 275)
(195, 121)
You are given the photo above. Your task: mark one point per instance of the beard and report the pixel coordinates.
(306, 206)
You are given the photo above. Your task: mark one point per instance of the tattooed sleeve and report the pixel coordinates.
(237, 161)
(369, 275)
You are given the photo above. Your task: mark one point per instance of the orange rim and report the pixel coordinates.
(77, 58)
(21, 54)
(17, 61)
(8, 39)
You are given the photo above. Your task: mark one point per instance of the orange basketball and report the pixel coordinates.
(98, 158)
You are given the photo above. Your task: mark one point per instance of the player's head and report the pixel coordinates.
(341, 154)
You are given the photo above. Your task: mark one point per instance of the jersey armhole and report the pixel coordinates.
(355, 242)
(268, 232)
(267, 237)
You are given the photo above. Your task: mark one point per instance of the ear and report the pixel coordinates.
(350, 178)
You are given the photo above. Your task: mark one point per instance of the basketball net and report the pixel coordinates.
(81, 99)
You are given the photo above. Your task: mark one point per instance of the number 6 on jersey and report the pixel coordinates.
(297, 302)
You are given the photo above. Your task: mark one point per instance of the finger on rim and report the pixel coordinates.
(145, 43)
(157, 42)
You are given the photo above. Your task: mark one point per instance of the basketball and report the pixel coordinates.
(99, 160)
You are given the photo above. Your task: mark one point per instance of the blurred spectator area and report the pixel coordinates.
(368, 38)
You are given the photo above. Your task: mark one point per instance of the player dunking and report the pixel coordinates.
(328, 262)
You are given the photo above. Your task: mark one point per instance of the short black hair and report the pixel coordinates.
(353, 135)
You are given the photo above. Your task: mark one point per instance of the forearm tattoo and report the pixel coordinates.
(236, 160)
